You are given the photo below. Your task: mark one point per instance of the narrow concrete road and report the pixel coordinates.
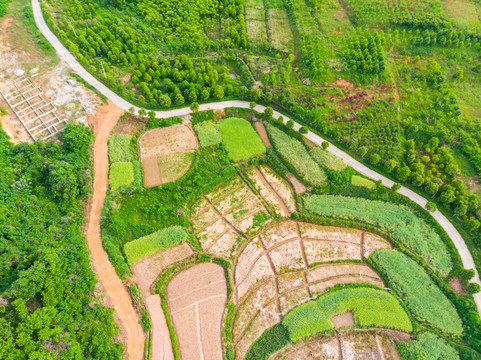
(65, 55)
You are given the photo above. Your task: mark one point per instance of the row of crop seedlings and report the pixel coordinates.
(125, 169)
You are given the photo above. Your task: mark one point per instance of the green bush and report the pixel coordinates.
(146, 245)
(240, 139)
(119, 148)
(271, 340)
(371, 307)
(420, 294)
(327, 160)
(427, 346)
(296, 155)
(398, 220)
(156, 123)
(207, 133)
(357, 180)
(121, 174)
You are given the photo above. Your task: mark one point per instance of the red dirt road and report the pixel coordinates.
(103, 122)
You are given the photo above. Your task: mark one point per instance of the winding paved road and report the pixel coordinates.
(65, 55)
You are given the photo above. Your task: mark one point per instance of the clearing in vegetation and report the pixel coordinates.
(421, 295)
(240, 139)
(401, 223)
(121, 174)
(174, 146)
(147, 245)
(296, 155)
(196, 300)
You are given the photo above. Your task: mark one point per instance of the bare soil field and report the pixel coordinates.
(285, 265)
(346, 319)
(299, 187)
(230, 212)
(166, 153)
(262, 133)
(197, 299)
(352, 344)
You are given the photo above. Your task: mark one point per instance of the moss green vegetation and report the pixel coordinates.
(296, 155)
(427, 346)
(420, 294)
(327, 160)
(121, 174)
(371, 308)
(207, 133)
(399, 221)
(240, 139)
(119, 148)
(47, 285)
(147, 245)
(357, 180)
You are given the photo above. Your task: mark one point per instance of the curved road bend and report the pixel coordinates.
(63, 53)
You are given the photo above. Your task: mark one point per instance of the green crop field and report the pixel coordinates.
(207, 133)
(357, 180)
(121, 174)
(146, 245)
(327, 160)
(421, 295)
(400, 222)
(427, 346)
(119, 148)
(240, 139)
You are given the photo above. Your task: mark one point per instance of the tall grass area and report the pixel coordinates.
(427, 346)
(119, 148)
(398, 220)
(420, 294)
(147, 245)
(371, 308)
(327, 160)
(296, 155)
(207, 133)
(240, 139)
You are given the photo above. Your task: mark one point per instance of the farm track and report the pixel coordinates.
(133, 348)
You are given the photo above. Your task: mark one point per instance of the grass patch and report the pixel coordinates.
(421, 295)
(371, 308)
(240, 139)
(147, 245)
(121, 174)
(398, 220)
(357, 180)
(174, 166)
(327, 160)
(295, 154)
(119, 148)
(207, 133)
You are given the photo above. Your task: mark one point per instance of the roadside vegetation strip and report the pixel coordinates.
(240, 139)
(402, 224)
(427, 346)
(420, 294)
(327, 160)
(357, 180)
(119, 148)
(121, 174)
(147, 245)
(296, 155)
(372, 307)
(207, 133)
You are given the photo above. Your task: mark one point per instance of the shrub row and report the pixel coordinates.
(156, 123)
(296, 155)
(146, 245)
(403, 225)
(421, 295)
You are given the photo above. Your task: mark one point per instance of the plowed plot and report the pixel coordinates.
(167, 153)
(280, 186)
(277, 271)
(349, 344)
(197, 299)
(227, 214)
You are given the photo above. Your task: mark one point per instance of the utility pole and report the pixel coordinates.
(172, 174)
(102, 64)
(70, 23)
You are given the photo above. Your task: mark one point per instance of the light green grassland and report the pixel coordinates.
(121, 174)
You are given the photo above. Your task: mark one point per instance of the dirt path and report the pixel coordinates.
(103, 122)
